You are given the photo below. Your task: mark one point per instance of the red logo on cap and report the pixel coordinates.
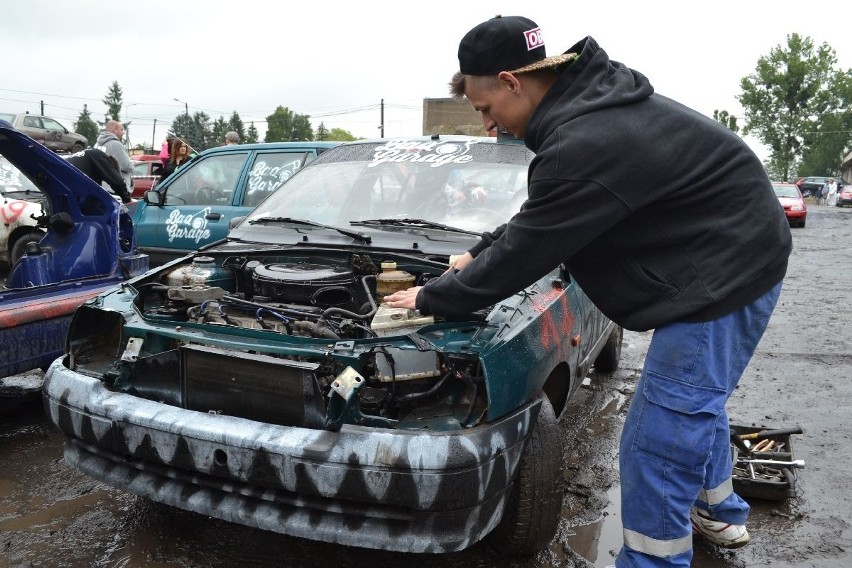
(534, 40)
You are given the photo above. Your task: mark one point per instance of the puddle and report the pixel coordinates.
(599, 541)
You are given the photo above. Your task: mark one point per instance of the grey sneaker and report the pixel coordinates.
(718, 532)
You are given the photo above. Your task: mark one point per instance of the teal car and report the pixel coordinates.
(193, 206)
(265, 381)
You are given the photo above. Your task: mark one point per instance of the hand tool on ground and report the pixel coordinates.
(772, 455)
(794, 463)
(779, 433)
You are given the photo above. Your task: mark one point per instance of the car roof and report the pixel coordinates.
(306, 144)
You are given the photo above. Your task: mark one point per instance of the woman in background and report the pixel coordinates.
(178, 156)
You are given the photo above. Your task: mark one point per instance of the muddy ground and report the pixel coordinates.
(50, 515)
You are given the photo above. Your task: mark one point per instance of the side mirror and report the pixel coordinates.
(153, 197)
(235, 221)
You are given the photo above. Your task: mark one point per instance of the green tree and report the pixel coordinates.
(181, 126)
(322, 132)
(113, 101)
(251, 134)
(340, 135)
(792, 104)
(201, 135)
(220, 127)
(236, 124)
(284, 125)
(729, 121)
(86, 126)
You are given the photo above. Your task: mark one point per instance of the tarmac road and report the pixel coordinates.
(50, 515)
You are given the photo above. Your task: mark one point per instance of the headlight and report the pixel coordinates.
(797, 208)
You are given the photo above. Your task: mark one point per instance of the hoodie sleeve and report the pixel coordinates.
(109, 174)
(560, 217)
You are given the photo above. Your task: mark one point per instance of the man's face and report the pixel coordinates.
(118, 130)
(498, 104)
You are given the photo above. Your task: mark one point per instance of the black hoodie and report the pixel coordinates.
(660, 213)
(101, 168)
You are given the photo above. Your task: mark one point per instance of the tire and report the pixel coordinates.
(77, 147)
(535, 502)
(609, 357)
(20, 247)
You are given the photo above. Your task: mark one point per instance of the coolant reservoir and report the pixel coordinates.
(392, 280)
(202, 272)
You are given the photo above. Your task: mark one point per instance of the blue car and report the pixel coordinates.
(88, 246)
(264, 381)
(193, 206)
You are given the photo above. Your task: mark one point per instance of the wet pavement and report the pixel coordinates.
(51, 515)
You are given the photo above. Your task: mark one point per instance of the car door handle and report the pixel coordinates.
(213, 216)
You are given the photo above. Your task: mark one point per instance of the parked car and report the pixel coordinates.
(844, 196)
(812, 185)
(146, 174)
(193, 206)
(263, 381)
(793, 203)
(48, 131)
(20, 208)
(88, 246)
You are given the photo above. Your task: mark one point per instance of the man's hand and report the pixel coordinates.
(403, 298)
(460, 262)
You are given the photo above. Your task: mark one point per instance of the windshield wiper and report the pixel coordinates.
(351, 234)
(418, 223)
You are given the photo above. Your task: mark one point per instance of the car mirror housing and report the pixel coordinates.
(235, 221)
(153, 197)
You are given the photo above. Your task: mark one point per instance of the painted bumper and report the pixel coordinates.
(374, 488)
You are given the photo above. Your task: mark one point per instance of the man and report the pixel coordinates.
(109, 141)
(231, 138)
(101, 168)
(667, 220)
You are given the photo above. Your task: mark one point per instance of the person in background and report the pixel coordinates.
(110, 141)
(166, 148)
(668, 222)
(179, 155)
(231, 138)
(831, 194)
(102, 169)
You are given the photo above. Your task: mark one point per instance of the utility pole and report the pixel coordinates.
(382, 119)
(42, 108)
(154, 136)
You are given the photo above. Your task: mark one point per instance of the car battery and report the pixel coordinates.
(769, 470)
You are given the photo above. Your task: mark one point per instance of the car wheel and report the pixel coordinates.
(535, 502)
(20, 246)
(610, 355)
(77, 147)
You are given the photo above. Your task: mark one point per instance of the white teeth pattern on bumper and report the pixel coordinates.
(393, 490)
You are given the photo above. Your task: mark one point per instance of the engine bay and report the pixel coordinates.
(288, 340)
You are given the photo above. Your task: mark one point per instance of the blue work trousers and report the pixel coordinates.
(675, 448)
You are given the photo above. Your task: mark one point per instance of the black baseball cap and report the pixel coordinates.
(510, 43)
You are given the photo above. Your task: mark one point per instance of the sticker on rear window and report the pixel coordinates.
(416, 151)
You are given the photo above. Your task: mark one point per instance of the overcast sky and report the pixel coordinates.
(336, 61)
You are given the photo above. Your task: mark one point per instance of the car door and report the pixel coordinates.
(198, 201)
(270, 169)
(55, 135)
(31, 126)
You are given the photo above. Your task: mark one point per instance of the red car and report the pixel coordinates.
(792, 201)
(844, 196)
(146, 173)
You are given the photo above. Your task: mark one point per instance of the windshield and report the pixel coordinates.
(15, 185)
(468, 185)
(786, 190)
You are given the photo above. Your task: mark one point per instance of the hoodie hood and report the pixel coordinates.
(591, 82)
(105, 137)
